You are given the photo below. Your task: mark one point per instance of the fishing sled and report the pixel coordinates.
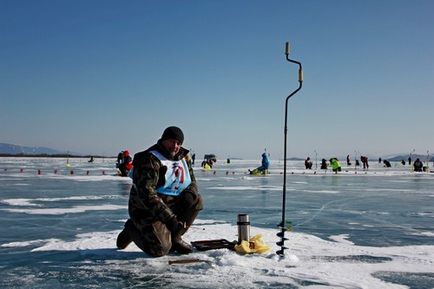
(205, 245)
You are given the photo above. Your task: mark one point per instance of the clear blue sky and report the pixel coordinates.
(101, 76)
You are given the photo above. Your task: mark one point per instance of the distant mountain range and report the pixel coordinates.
(12, 149)
(399, 158)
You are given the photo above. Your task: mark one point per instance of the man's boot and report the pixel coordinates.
(124, 238)
(187, 216)
(181, 246)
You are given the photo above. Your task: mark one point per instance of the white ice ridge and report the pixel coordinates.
(246, 188)
(62, 211)
(30, 202)
(326, 264)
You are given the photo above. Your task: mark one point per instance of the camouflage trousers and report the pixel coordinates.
(155, 238)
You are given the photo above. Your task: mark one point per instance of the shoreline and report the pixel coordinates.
(53, 156)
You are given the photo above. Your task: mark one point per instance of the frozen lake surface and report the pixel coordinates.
(356, 229)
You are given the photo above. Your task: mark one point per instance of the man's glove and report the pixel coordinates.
(174, 225)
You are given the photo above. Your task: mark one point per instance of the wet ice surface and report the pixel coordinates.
(367, 230)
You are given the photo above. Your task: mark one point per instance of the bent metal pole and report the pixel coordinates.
(282, 224)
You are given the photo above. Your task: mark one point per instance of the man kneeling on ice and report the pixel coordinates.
(164, 199)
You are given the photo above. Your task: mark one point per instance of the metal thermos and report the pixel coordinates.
(243, 223)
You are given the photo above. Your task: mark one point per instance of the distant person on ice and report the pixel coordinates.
(308, 163)
(387, 163)
(263, 169)
(348, 160)
(193, 158)
(417, 165)
(364, 160)
(336, 166)
(119, 158)
(164, 199)
(323, 164)
(126, 163)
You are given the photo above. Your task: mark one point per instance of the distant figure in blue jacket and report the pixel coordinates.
(265, 162)
(263, 169)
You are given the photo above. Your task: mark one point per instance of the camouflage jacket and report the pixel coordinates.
(146, 205)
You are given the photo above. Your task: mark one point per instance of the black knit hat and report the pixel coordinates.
(173, 132)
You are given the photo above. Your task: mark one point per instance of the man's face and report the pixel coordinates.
(172, 146)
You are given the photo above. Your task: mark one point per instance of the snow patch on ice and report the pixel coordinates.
(62, 211)
(342, 238)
